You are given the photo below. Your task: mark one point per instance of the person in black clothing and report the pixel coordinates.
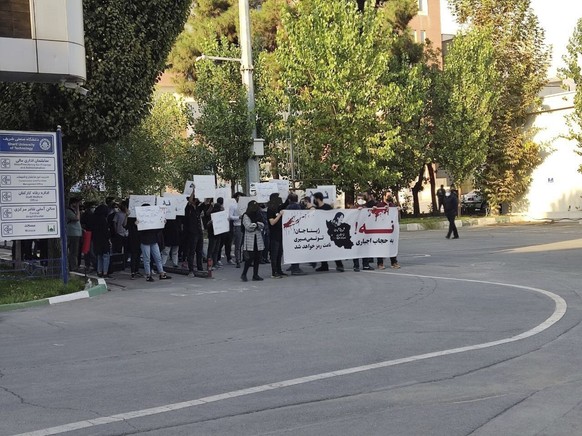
(451, 210)
(134, 247)
(441, 194)
(194, 235)
(171, 232)
(214, 241)
(293, 204)
(274, 215)
(319, 204)
(101, 239)
(371, 202)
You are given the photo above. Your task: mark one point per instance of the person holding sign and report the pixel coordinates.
(150, 248)
(253, 243)
(214, 240)
(194, 235)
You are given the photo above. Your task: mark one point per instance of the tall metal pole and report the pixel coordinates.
(62, 221)
(246, 67)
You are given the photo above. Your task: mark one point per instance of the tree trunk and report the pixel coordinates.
(433, 199)
(415, 190)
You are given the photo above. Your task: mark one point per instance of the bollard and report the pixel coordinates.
(209, 267)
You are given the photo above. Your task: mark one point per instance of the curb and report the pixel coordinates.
(98, 289)
(463, 222)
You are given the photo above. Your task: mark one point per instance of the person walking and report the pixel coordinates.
(451, 211)
(253, 244)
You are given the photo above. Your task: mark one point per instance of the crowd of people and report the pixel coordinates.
(104, 237)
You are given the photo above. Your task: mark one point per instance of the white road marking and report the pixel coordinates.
(559, 311)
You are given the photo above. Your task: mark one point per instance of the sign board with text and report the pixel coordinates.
(29, 186)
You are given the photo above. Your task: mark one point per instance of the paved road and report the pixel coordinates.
(476, 336)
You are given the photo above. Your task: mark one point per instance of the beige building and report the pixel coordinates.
(427, 24)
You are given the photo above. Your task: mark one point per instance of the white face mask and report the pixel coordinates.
(361, 201)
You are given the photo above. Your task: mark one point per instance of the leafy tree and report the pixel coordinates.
(152, 156)
(336, 62)
(521, 61)
(468, 93)
(573, 71)
(225, 125)
(127, 44)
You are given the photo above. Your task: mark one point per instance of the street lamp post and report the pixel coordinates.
(246, 69)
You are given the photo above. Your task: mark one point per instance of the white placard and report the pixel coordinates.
(204, 187)
(168, 205)
(138, 200)
(264, 191)
(309, 193)
(282, 186)
(220, 222)
(319, 235)
(329, 193)
(150, 217)
(179, 202)
(243, 203)
(224, 193)
(188, 188)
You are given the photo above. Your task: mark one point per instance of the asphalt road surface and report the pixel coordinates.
(475, 336)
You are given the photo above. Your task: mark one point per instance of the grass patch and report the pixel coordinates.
(19, 291)
(429, 222)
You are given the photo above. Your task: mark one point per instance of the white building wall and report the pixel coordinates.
(556, 189)
(56, 51)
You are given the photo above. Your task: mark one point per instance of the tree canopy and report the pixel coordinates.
(521, 61)
(127, 44)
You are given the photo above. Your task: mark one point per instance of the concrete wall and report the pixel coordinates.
(56, 49)
(556, 189)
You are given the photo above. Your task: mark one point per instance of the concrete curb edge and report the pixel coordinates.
(98, 289)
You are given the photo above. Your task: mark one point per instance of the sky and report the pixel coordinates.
(557, 17)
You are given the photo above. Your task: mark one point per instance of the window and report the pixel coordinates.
(422, 37)
(15, 19)
(422, 7)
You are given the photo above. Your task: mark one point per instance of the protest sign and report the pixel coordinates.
(220, 222)
(179, 203)
(224, 193)
(168, 204)
(282, 187)
(138, 200)
(243, 203)
(188, 188)
(150, 217)
(204, 187)
(318, 235)
(264, 190)
(329, 193)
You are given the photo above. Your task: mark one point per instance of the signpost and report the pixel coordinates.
(31, 188)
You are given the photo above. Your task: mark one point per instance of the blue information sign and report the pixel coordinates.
(27, 142)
